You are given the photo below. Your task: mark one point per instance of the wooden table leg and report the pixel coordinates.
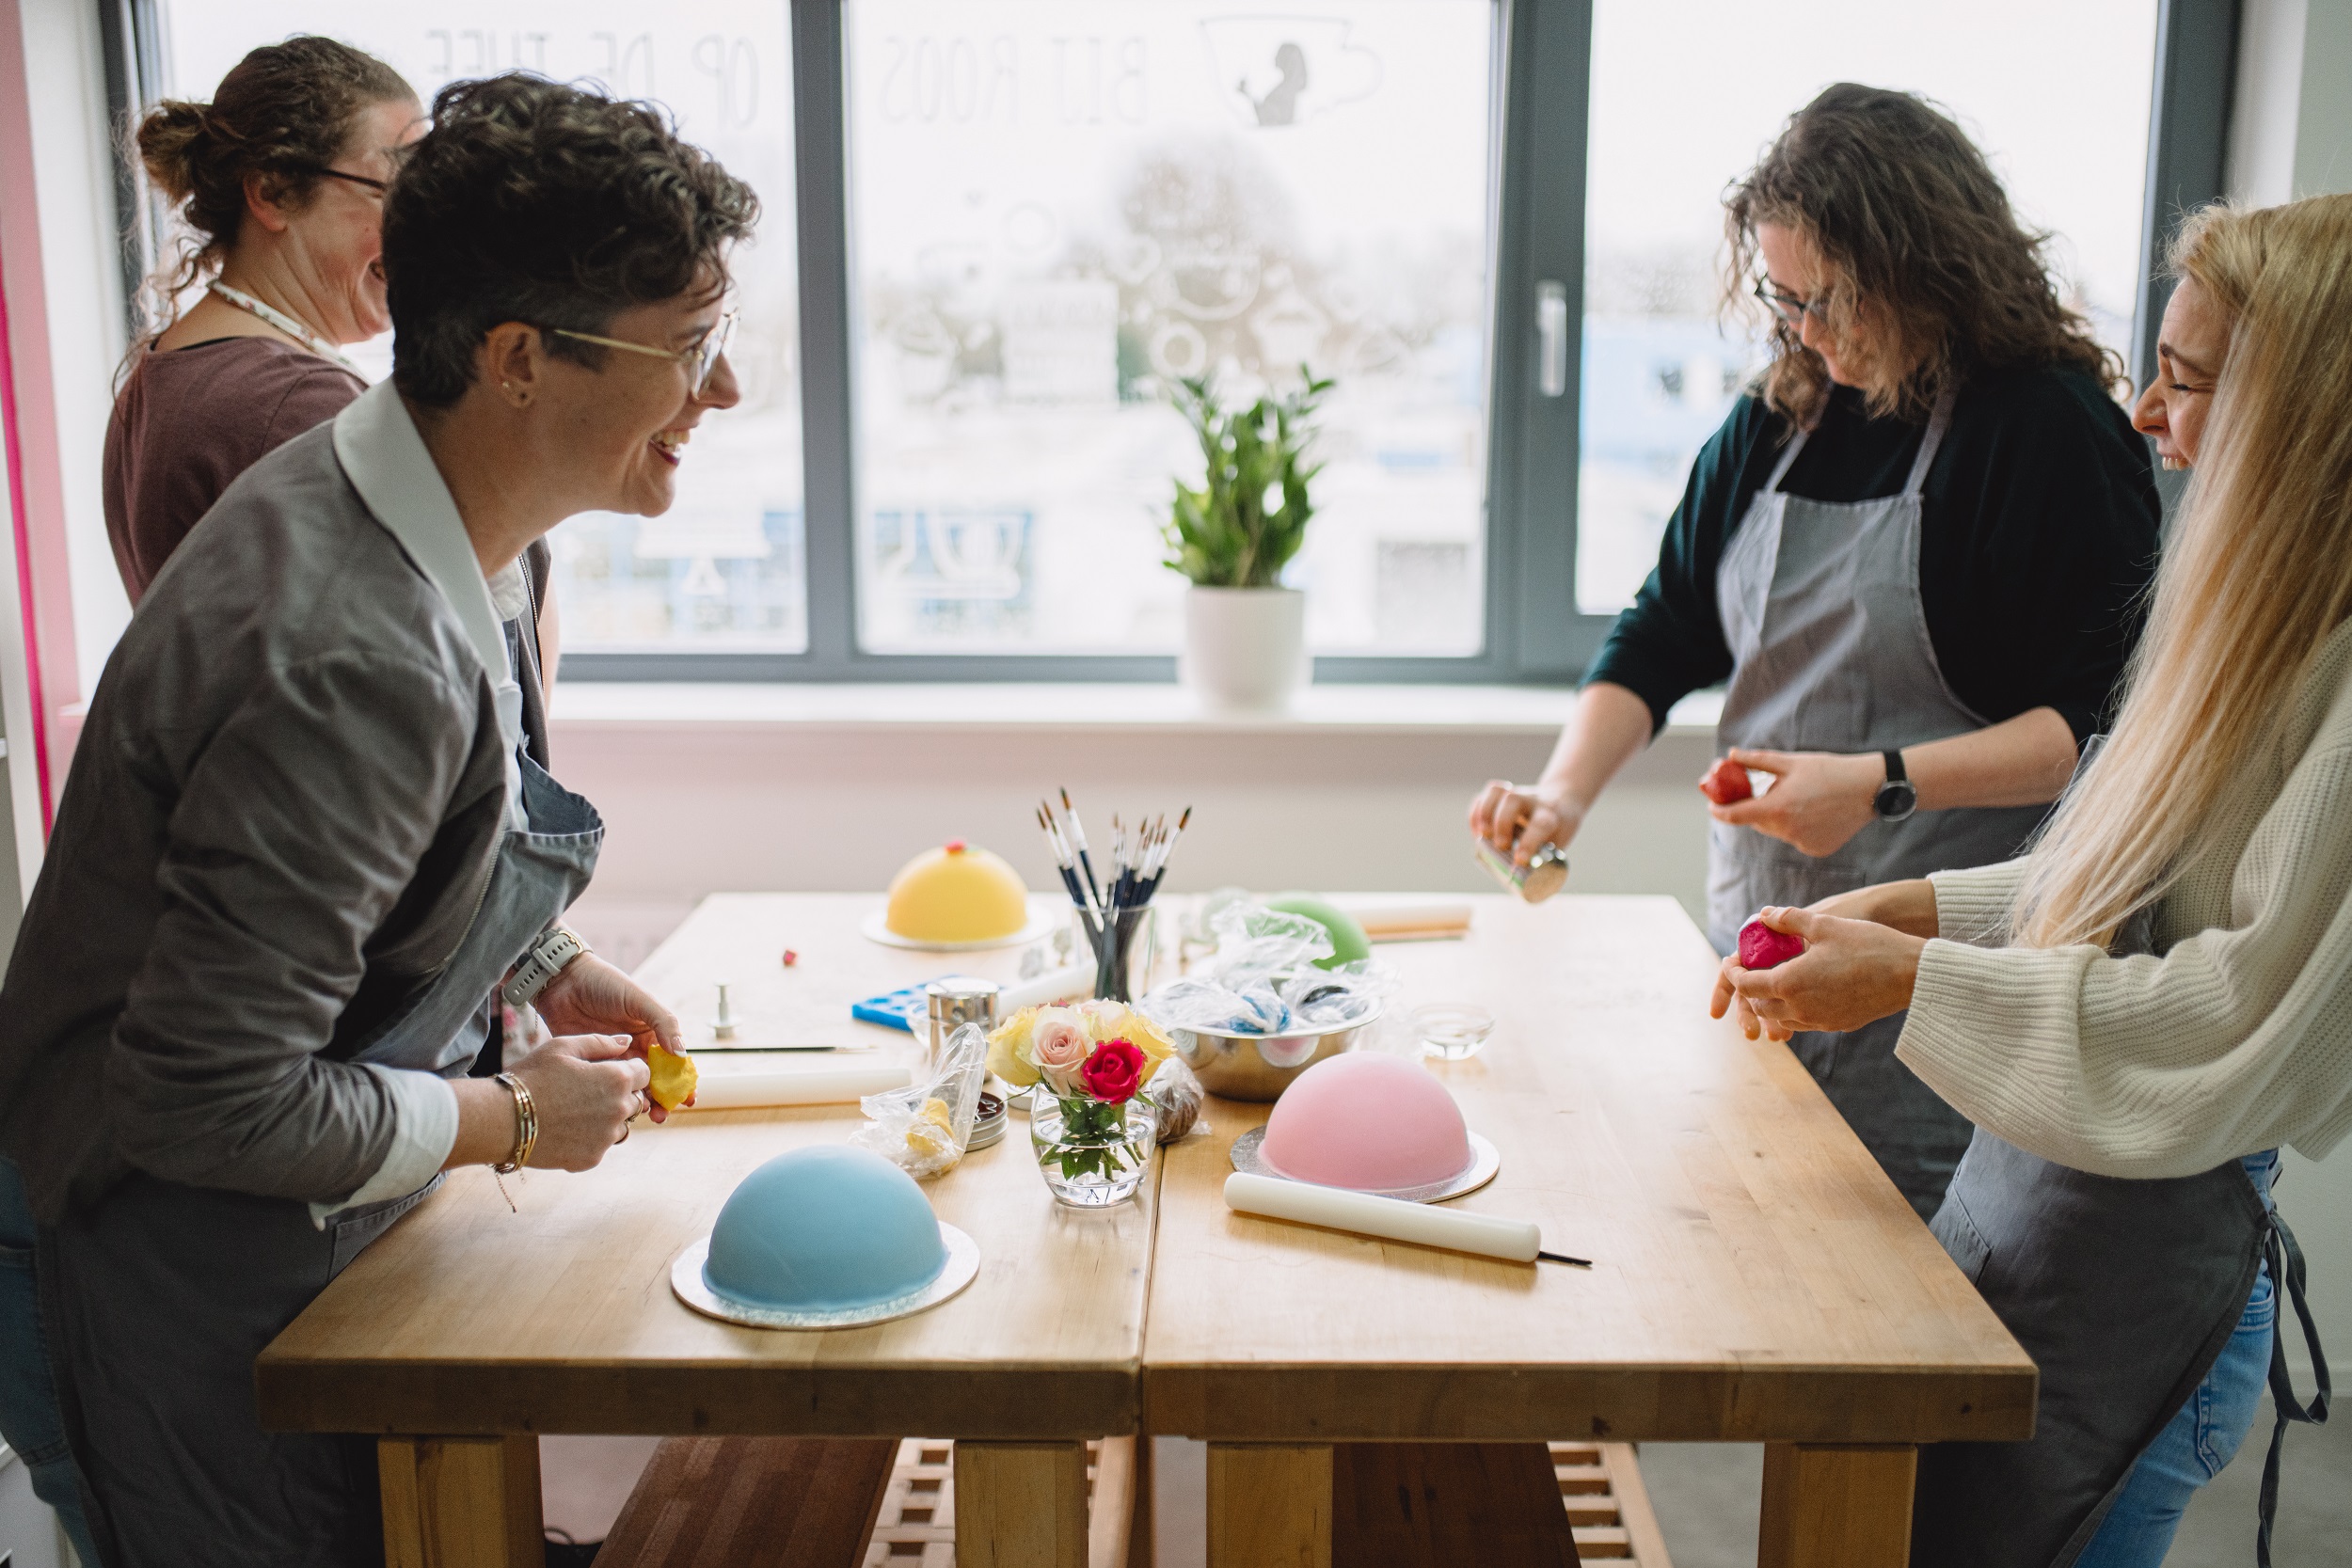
(1831, 1505)
(1021, 1505)
(461, 1502)
(1269, 1505)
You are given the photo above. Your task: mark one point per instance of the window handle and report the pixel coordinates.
(1552, 337)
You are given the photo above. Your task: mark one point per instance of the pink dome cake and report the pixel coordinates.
(1375, 1123)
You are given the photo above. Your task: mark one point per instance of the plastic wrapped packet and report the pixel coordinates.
(1265, 979)
(927, 1126)
(1329, 997)
(1175, 1100)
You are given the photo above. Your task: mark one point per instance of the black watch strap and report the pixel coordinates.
(1893, 766)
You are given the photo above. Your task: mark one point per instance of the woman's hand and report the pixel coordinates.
(1818, 800)
(585, 1089)
(1517, 822)
(590, 996)
(1907, 905)
(1852, 973)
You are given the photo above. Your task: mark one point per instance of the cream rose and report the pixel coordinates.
(1059, 1039)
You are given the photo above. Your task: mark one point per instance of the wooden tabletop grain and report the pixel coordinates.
(1755, 1277)
(468, 1319)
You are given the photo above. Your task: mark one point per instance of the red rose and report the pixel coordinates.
(1114, 1073)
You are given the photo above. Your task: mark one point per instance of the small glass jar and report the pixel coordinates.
(1091, 1155)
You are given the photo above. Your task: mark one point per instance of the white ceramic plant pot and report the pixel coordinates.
(1245, 648)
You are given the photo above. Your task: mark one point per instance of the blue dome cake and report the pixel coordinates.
(824, 1229)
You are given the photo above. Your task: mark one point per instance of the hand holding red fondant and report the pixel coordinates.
(1818, 800)
(1761, 948)
(1823, 973)
(1726, 783)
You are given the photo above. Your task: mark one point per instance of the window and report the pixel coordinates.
(995, 228)
(2056, 95)
(723, 569)
(1057, 208)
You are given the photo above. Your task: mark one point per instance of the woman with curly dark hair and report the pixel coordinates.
(304, 844)
(1914, 552)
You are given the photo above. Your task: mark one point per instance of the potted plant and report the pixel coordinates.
(1245, 634)
(1091, 1120)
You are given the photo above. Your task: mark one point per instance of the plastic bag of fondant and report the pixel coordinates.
(1205, 1002)
(1337, 995)
(1175, 1102)
(925, 1126)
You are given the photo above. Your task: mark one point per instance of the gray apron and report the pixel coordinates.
(161, 1296)
(2125, 1293)
(1821, 607)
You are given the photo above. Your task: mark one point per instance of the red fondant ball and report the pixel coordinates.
(1761, 948)
(1726, 781)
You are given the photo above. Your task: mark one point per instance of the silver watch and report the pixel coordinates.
(556, 948)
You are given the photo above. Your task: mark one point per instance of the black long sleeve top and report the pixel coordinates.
(2038, 536)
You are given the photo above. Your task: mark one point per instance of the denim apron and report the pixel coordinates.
(162, 1294)
(1830, 652)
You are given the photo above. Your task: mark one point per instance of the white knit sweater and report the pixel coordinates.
(2236, 1036)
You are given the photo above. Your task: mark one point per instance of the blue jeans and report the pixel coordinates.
(29, 1419)
(2200, 1440)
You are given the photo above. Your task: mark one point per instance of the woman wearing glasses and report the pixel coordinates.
(2140, 1011)
(304, 844)
(1911, 554)
(278, 186)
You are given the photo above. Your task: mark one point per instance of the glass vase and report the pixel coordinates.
(1091, 1155)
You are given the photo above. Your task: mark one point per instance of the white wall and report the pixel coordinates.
(80, 271)
(2291, 119)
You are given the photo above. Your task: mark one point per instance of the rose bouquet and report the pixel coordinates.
(1092, 1062)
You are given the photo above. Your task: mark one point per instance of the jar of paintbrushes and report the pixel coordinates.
(1113, 897)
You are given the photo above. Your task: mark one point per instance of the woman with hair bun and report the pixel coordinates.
(1912, 553)
(2141, 1010)
(278, 186)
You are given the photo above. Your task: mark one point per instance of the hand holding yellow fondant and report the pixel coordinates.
(673, 1077)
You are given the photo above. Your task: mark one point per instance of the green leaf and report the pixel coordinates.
(1222, 534)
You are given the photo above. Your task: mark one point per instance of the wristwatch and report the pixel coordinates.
(1897, 798)
(555, 948)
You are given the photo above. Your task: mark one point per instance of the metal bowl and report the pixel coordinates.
(1261, 1066)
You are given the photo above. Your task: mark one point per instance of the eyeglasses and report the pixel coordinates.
(704, 357)
(378, 186)
(1788, 308)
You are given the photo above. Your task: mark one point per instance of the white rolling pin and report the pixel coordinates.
(798, 1085)
(1513, 1240)
(1074, 983)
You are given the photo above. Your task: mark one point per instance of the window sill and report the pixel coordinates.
(1339, 709)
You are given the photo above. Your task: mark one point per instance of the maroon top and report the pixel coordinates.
(189, 421)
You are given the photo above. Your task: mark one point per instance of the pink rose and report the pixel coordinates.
(1058, 1040)
(1114, 1073)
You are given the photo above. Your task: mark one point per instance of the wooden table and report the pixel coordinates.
(469, 1330)
(1755, 1278)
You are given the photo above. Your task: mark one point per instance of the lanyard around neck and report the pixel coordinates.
(281, 321)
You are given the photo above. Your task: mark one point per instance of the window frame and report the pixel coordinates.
(1534, 632)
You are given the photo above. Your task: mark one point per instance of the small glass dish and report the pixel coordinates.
(1452, 1031)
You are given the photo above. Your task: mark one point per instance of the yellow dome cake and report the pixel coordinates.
(957, 893)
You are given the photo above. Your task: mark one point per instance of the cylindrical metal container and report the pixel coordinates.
(954, 1001)
(1545, 874)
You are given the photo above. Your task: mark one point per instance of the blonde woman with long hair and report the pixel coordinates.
(2140, 1011)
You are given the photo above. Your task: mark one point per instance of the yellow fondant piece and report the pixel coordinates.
(932, 1131)
(957, 893)
(674, 1078)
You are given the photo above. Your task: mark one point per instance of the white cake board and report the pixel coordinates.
(1248, 1156)
(875, 928)
(688, 1283)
